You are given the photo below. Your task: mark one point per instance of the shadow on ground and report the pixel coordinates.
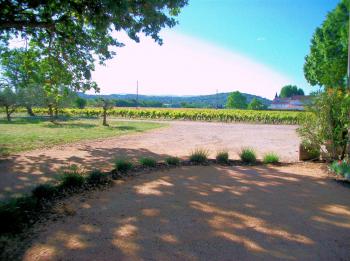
(20, 174)
(206, 213)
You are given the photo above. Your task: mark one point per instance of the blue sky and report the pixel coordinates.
(274, 32)
(254, 46)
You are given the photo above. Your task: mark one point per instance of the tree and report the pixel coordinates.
(326, 64)
(106, 104)
(8, 99)
(236, 100)
(290, 90)
(73, 33)
(80, 102)
(256, 104)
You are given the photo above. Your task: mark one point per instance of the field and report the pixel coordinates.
(26, 134)
(253, 116)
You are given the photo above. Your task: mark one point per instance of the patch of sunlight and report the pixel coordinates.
(89, 229)
(169, 238)
(153, 187)
(252, 223)
(72, 241)
(330, 222)
(123, 240)
(150, 212)
(337, 209)
(247, 243)
(40, 252)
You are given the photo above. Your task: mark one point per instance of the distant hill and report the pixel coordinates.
(211, 100)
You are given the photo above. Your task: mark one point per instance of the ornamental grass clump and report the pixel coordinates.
(222, 157)
(174, 161)
(148, 162)
(123, 165)
(341, 168)
(199, 156)
(248, 155)
(271, 158)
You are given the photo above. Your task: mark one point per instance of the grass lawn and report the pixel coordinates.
(27, 133)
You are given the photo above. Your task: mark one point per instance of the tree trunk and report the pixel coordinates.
(30, 111)
(51, 113)
(56, 112)
(8, 113)
(105, 116)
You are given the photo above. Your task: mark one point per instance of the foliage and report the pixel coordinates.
(134, 103)
(73, 177)
(256, 104)
(96, 177)
(199, 156)
(271, 158)
(268, 117)
(248, 155)
(326, 64)
(290, 90)
(148, 162)
(44, 191)
(71, 35)
(236, 100)
(80, 102)
(222, 157)
(123, 165)
(341, 167)
(9, 100)
(327, 127)
(175, 161)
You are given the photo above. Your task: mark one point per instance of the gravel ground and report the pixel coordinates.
(19, 173)
(291, 212)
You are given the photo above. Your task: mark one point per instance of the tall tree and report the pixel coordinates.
(8, 99)
(326, 64)
(256, 104)
(236, 100)
(74, 33)
(290, 90)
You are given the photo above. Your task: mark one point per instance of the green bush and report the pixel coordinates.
(96, 177)
(44, 191)
(199, 156)
(15, 213)
(222, 157)
(271, 158)
(71, 180)
(148, 162)
(341, 167)
(175, 161)
(123, 165)
(248, 155)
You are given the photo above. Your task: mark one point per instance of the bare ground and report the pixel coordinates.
(291, 212)
(19, 173)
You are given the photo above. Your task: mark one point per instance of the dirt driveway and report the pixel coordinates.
(21, 172)
(206, 213)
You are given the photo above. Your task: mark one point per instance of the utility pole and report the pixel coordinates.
(137, 93)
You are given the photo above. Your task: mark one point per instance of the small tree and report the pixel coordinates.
(328, 127)
(8, 99)
(106, 104)
(290, 90)
(236, 100)
(256, 104)
(80, 102)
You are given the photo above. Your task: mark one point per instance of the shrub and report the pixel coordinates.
(341, 167)
(148, 162)
(175, 161)
(248, 155)
(44, 191)
(123, 165)
(199, 156)
(96, 177)
(72, 180)
(222, 157)
(271, 158)
(15, 213)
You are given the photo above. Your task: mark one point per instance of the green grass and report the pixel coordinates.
(148, 162)
(199, 156)
(248, 155)
(271, 158)
(24, 134)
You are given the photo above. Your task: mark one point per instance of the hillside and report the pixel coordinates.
(212, 100)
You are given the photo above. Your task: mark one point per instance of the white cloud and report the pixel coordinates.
(184, 66)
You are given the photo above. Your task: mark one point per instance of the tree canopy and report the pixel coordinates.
(290, 90)
(70, 35)
(326, 64)
(236, 100)
(256, 104)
